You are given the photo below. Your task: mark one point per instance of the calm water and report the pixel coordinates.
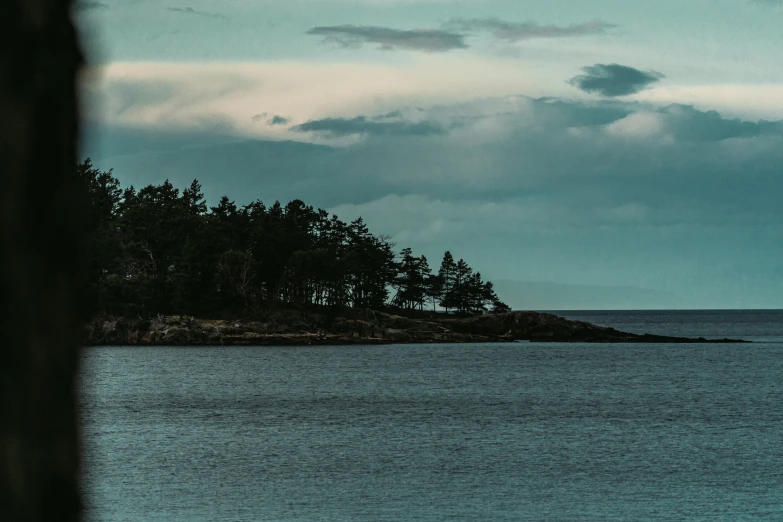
(750, 325)
(484, 432)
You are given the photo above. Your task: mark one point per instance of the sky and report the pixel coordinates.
(614, 154)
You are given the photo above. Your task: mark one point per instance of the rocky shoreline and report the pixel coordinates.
(350, 326)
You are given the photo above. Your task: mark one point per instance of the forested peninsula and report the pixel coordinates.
(161, 251)
(161, 267)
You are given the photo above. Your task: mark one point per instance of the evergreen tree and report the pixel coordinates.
(446, 281)
(194, 199)
(156, 250)
(459, 294)
(424, 281)
(104, 198)
(434, 289)
(411, 281)
(499, 307)
(235, 272)
(405, 280)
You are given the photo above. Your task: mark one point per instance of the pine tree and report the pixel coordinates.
(159, 250)
(434, 289)
(446, 281)
(406, 282)
(423, 281)
(475, 294)
(194, 199)
(499, 307)
(460, 293)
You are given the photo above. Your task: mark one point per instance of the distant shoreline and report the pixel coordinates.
(360, 327)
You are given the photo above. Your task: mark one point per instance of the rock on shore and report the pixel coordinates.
(289, 327)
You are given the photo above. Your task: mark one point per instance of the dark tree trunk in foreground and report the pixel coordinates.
(39, 262)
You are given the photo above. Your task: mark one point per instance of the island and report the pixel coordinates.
(163, 268)
(367, 327)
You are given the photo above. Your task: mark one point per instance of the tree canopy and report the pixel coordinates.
(159, 250)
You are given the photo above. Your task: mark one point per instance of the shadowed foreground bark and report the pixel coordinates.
(39, 261)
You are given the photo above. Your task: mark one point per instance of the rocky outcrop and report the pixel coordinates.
(287, 327)
(542, 327)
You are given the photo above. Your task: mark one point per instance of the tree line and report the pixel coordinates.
(159, 250)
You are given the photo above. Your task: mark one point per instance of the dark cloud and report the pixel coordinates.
(274, 120)
(542, 147)
(556, 190)
(558, 114)
(88, 6)
(514, 31)
(614, 80)
(688, 124)
(191, 11)
(389, 116)
(425, 40)
(452, 35)
(361, 125)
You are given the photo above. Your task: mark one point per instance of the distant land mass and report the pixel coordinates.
(522, 295)
(349, 326)
(163, 267)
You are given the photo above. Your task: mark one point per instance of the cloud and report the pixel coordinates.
(451, 36)
(178, 95)
(602, 192)
(614, 80)
(191, 11)
(638, 161)
(274, 120)
(364, 126)
(513, 32)
(175, 94)
(425, 40)
(389, 115)
(637, 125)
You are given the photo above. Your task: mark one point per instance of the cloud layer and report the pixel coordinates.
(369, 127)
(452, 35)
(514, 31)
(474, 138)
(604, 193)
(195, 12)
(426, 40)
(271, 120)
(614, 80)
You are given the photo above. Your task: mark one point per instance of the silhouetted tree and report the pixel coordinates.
(446, 281)
(235, 274)
(159, 250)
(411, 281)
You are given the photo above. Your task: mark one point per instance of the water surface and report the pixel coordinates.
(469, 432)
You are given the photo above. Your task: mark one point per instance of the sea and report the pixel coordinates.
(522, 431)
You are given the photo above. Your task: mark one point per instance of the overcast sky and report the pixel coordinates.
(632, 145)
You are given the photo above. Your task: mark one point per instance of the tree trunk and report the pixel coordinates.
(39, 265)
